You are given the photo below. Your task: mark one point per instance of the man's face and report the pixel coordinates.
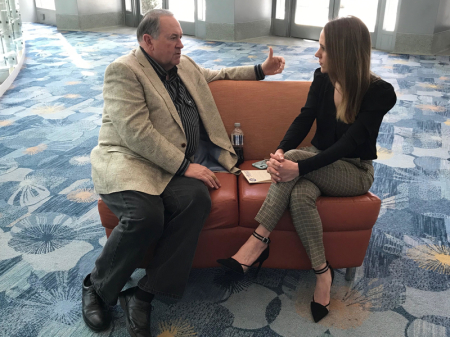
(321, 54)
(166, 49)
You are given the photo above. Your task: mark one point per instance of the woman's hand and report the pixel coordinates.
(281, 170)
(273, 164)
(278, 155)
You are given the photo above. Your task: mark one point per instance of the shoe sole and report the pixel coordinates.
(123, 304)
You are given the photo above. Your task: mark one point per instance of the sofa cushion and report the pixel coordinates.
(224, 210)
(336, 213)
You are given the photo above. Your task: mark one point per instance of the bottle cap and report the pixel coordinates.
(237, 125)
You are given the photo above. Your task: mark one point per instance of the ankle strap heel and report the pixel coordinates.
(236, 266)
(318, 310)
(261, 238)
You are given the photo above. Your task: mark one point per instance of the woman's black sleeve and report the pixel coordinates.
(302, 123)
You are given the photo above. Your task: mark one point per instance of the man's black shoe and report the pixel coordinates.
(95, 311)
(137, 313)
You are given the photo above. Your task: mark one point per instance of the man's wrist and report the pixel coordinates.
(259, 72)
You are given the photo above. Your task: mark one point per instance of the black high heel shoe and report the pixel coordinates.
(235, 266)
(318, 310)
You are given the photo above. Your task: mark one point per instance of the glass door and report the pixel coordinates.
(309, 17)
(146, 5)
(185, 12)
(387, 25)
(366, 10)
(281, 17)
(135, 9)
(131, 19)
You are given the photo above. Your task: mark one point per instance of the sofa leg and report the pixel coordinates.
(350, 273)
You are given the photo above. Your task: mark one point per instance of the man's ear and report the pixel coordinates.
(148, 40)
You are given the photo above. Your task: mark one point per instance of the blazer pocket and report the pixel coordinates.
(124, 151)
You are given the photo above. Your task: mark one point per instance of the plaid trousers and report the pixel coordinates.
(344, 178)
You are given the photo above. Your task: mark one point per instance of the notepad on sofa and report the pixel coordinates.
(256, 176)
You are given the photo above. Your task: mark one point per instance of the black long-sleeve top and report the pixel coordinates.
(333, 137)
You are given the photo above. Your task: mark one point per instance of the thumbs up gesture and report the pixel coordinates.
(273, 64)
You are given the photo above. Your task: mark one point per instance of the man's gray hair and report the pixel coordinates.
(150, 23)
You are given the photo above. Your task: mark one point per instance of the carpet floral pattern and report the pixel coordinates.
(50, 231)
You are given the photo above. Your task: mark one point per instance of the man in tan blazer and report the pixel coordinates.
(158, 115)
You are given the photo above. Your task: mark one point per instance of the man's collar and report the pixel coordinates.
(160, 71)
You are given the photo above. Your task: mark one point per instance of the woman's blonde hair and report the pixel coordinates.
(349, 47)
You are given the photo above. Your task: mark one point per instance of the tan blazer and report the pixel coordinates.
(142, 143)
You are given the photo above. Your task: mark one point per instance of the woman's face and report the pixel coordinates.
(321, 54)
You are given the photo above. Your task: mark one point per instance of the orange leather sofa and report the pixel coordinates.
(265, 111)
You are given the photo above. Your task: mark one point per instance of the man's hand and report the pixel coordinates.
(273, 65)
(204, 174)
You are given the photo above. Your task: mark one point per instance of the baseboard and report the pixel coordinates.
(413, 43)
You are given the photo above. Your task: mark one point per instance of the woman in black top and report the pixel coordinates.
(348, 103)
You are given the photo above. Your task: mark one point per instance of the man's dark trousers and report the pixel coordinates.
(172, 220)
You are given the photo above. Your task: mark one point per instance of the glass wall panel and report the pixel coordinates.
(147, 5)
(201, 10)
(184, 10)
(365, 10)
(128, 6)
(46, 4)
(312, 13)
(280, 9)
(390, 15)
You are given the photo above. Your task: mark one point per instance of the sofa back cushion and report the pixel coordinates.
(264, 109)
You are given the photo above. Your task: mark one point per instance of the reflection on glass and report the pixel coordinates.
(390, 15)
(280, 9)
(365, 10)
(128, 6)
(201, 10)
(184, 10)
(147, 5)
(312, 13)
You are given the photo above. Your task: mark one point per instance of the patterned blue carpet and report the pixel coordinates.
(50, 232)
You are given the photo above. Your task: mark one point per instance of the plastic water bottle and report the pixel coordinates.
(237, 140)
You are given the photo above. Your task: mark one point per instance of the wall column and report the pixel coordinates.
(423, 27)
(233, 20)
(88, 14)
(441, 39)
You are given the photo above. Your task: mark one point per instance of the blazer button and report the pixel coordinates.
(183, 145)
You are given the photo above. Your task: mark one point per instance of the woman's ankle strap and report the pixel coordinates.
(261, 238)
(323, 270)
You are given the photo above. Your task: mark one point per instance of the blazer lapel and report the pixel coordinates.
(158, 85)
(210, 120)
